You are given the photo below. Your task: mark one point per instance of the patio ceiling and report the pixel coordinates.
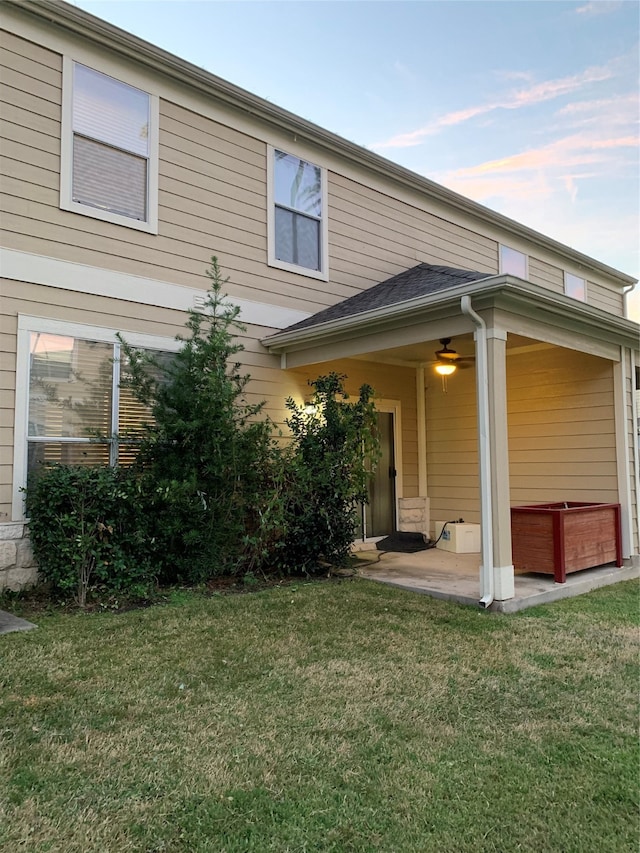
(423, 353)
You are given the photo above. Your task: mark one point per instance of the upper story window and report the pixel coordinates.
(575, 286)
(297, 215)
(109, 151)
(513, 262)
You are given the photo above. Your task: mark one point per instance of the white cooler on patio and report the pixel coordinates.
(459, 538)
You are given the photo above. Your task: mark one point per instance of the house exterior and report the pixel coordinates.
(125, 168)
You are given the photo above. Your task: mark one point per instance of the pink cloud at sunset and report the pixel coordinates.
(571, 151)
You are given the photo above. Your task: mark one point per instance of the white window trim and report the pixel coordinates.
(66, 158)
(565, 273)
(501, 271)
(323, 273)
(28, 324)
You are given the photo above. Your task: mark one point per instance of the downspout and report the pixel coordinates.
(486, 510)
(625, 302)
(422, 433)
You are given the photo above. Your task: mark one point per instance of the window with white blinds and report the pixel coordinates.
(78, 413)
(110, 143)
(109, 151)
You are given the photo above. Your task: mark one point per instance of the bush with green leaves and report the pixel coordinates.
(87, 532)
(327, 471)
(201, 461)
(210, 492)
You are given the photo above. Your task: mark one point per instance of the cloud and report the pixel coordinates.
(619, 111)
(524, 97)
(555, 188)
(575, 150)
(599, 7)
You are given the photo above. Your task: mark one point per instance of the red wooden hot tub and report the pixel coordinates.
(559, 538)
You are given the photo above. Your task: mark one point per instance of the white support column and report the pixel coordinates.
(635, 542)
(422, 433)
(503, 577)
(623, 458)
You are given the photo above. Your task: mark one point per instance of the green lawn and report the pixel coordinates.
(323, 717)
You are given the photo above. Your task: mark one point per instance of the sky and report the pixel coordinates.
(530, 107)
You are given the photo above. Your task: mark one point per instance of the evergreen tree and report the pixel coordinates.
(200, 461)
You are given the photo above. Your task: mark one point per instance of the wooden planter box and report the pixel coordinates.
(559, 538)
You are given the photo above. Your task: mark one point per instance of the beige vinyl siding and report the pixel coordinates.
(212, 199)
(389, 383)
(605, 298)
(452, 447)
(7, 405)
(599, 294)
(561, 434)
(30, 107)
(561, 427)
(373, 236)
(546, 275)
(268, 381)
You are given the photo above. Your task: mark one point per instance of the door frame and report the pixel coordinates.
(392, 407)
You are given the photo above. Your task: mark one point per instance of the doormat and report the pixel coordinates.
(404, 543)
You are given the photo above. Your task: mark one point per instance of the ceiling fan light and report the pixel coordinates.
(445, 369)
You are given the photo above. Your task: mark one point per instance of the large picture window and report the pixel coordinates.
(79, 413)
(71, 404)
(109, 148)
(297, 215)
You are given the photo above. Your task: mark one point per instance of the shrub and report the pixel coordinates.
(210, 492)
(328, 469)
(202, 459)
(87, 531)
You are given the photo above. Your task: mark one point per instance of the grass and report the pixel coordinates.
(323, 717)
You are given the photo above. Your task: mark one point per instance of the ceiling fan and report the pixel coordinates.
(448, 360)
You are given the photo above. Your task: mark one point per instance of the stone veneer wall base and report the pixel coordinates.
(18, 568)
(414, 515)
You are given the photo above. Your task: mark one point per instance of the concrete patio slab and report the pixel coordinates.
(9, 622)
(456, 577)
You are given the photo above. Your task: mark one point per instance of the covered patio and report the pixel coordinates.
(544, 414)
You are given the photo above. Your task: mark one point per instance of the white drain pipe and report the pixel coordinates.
(486, 509)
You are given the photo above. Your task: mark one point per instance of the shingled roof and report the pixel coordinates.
(421, 280)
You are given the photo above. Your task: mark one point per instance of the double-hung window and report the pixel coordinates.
(109, 152)
(297, 215)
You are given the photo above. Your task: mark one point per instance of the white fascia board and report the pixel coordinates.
(97, 281)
